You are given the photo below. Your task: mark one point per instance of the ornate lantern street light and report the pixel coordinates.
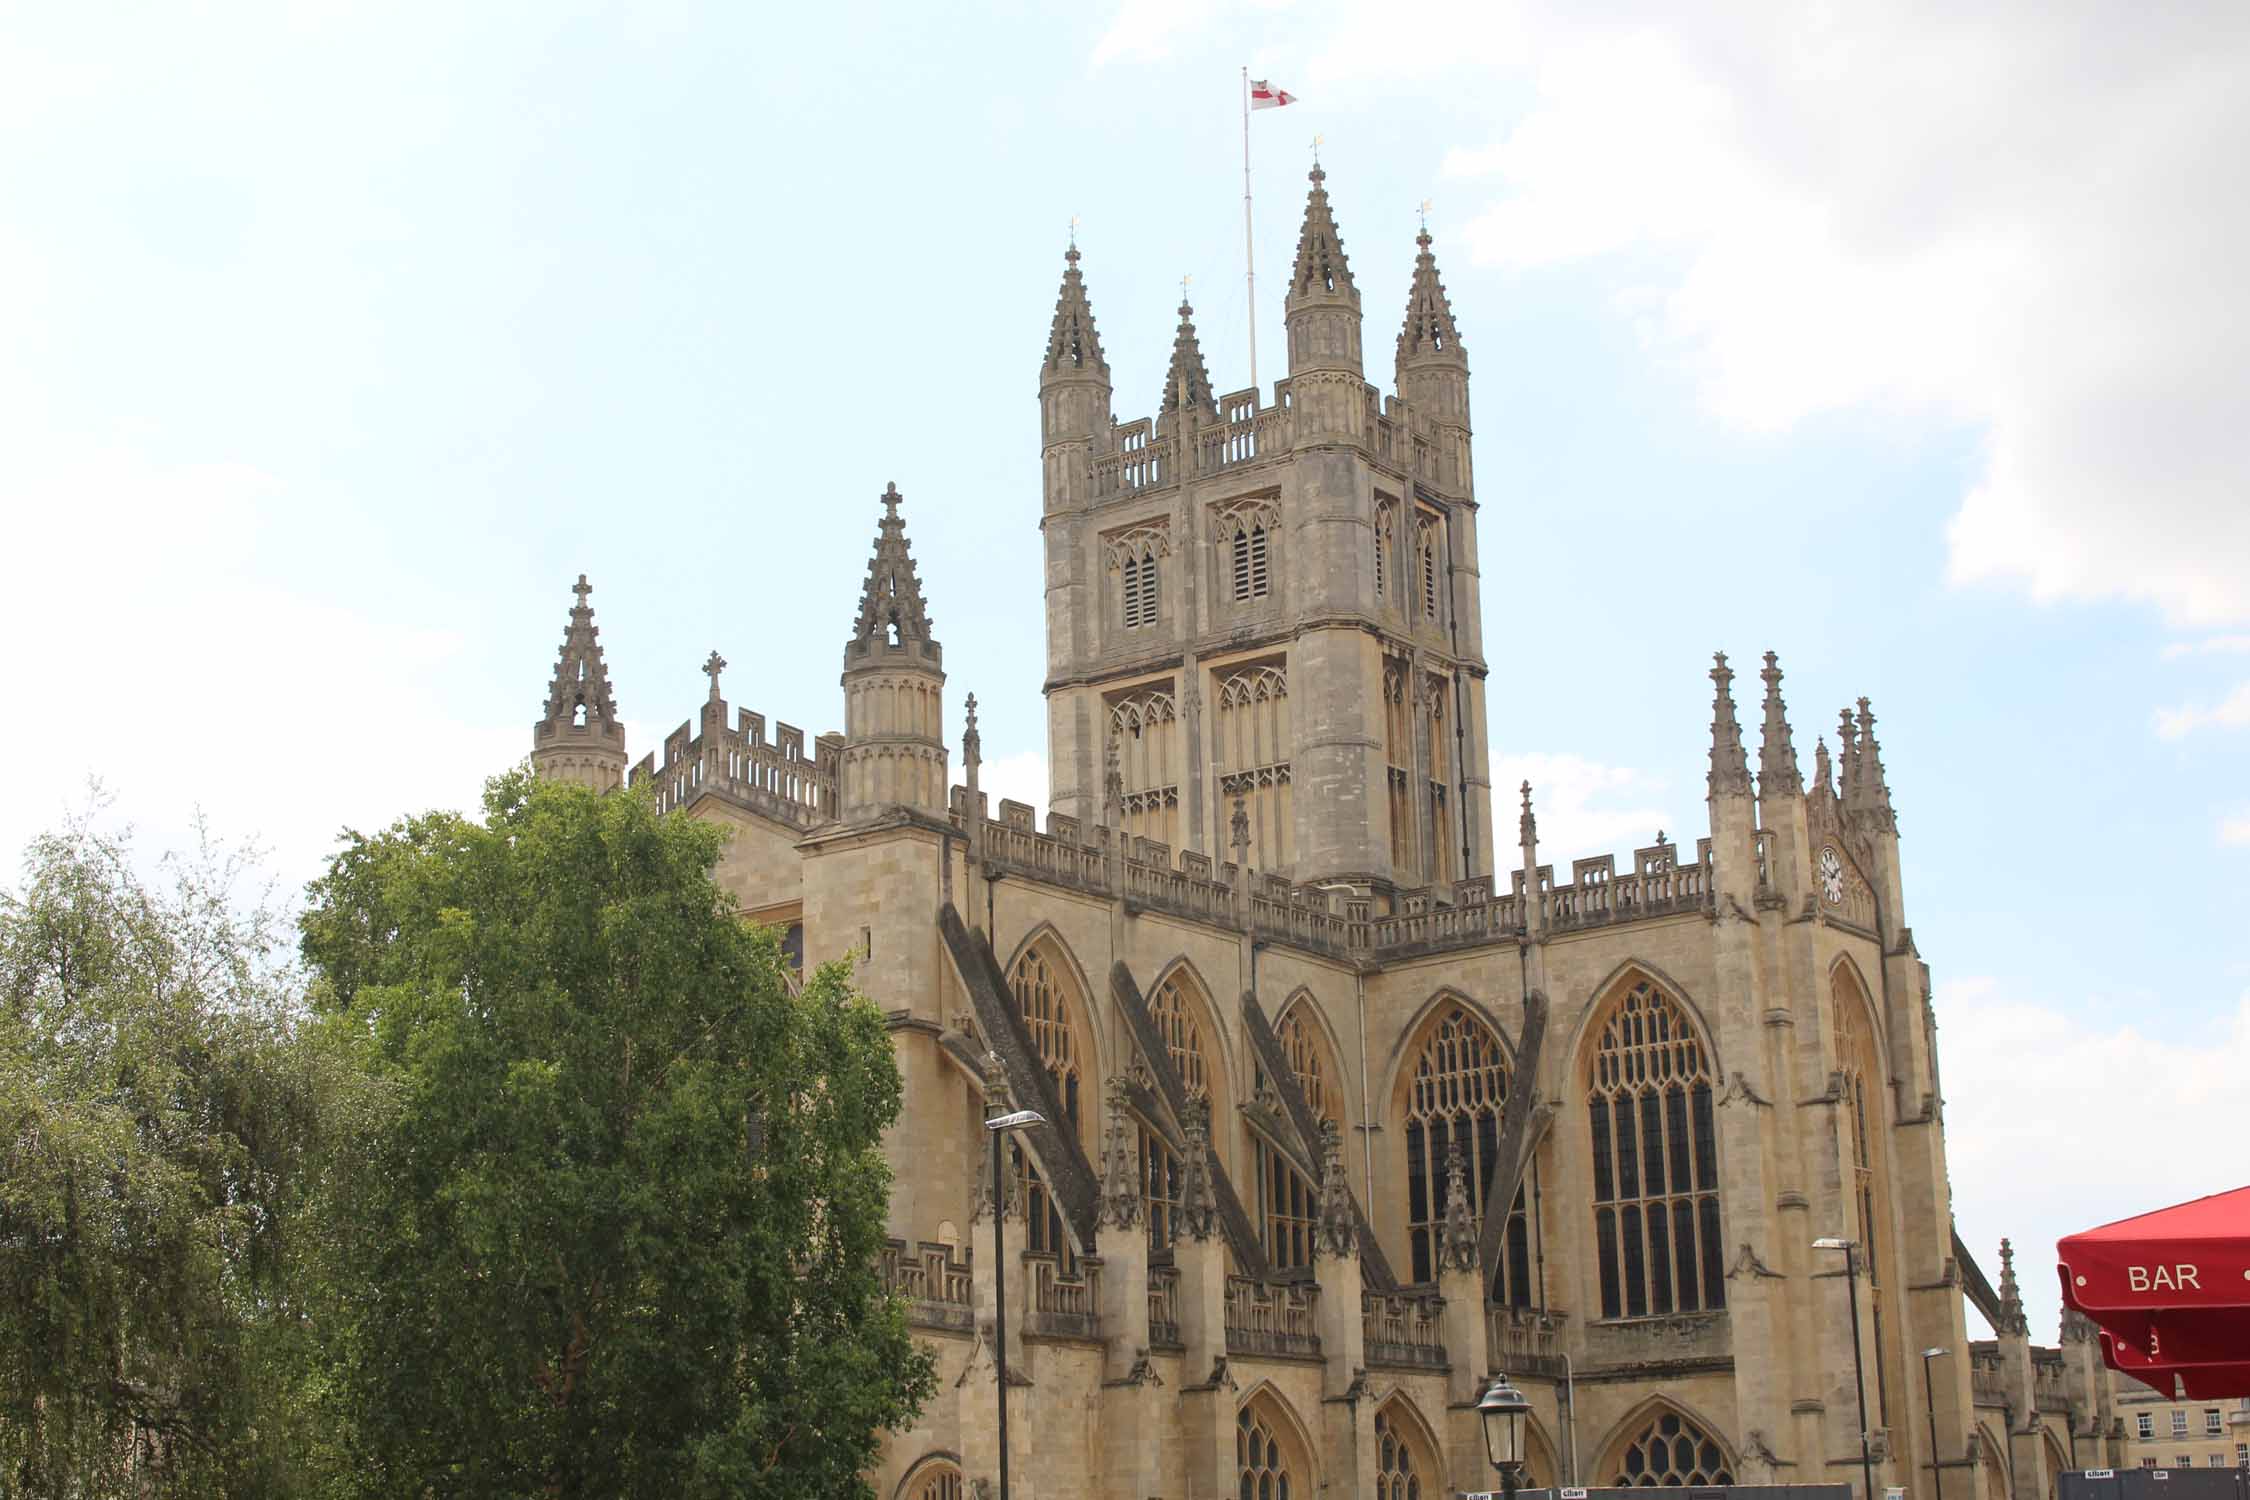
(1502, 1409)
(998, 1126)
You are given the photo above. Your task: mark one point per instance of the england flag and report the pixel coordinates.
(1264, 95)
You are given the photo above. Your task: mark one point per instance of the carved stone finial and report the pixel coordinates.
(1777, 754)
(581, 588)
(1199, 1200)
(713, 665)
(1120, 1204)
(972, 743)
(2011, 1297)
(989, 1194)
(1824, 776)
(1730, 768)
(1457, 1241)
(1335, 1232)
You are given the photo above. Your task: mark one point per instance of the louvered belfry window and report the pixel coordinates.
(1249, 560)
(1138, 586)
(1656, 1168)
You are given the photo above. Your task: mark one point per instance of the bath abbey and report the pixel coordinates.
(1345, 1107)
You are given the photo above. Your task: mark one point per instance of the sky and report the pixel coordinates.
(1908, 341)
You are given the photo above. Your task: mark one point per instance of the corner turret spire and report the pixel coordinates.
(894, 753)
(1187, 377)
(892, 618)
(579, 736)
(1874, 791)
(1778, 775)
(1730, 767)
(1073, 345)
(1322, 308)
(1429, 336)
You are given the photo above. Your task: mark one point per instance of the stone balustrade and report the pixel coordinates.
(1164, 1306)
(1523, 1340)
(1063, 1305)
(1404, 1330)
(1264, 1317)
(934, 1285)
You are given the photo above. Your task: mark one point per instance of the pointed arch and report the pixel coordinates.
(1663, 1442)
(1180, 987)
(1180, 1006)
(1046, 987)
(1591, 1011)
(1863, 1148)
(933, 1476)
(2057, 1460)
(1315, 1055)
(1846, 978)
(1649, 1080)
(1996, 1484)
(1409, 1459)
(1273, 1451)
(1448, 1093)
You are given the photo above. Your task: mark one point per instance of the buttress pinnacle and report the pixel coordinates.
(1429, 336)
(1073, 345)
(1730, 767)
(1321, 272)
(1778, 775)
(892, 616)
(1187, 377)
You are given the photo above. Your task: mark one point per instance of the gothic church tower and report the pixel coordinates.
(1277, 603)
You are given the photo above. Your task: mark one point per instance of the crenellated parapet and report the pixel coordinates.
(775, 778)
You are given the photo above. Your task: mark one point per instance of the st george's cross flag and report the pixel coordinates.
(1264, 95)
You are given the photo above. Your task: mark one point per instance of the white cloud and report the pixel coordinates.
(2036, 1099)
(1021, 777)
(1584, 809)
(2024, 224)
(2230, 712)
(2232, 645)
(2234, 832)
(188, 683)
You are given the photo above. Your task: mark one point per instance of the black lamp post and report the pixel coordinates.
(996, 1127)
(1859, 1374)
(1929, 1393)
(1501, 1409)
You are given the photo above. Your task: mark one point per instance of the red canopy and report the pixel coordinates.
(2171, 1293)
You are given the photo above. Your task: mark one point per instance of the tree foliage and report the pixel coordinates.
(620, 1236)
(164, 1124)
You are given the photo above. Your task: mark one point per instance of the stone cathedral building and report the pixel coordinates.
(1348, 1105)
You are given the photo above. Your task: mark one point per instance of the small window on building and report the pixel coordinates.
(2215, 1460)
(2148, 1425)
(2148, 1463)
(2179, 1422)
(1249, 548)
(2213, 1424)
(1139, 589)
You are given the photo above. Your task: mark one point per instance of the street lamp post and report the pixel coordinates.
(1859, 1374)
(996, 1127)
(1501, 1409)
(1929, 1394)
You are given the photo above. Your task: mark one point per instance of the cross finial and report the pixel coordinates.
(1660, 838)
(890, 501)
(713, 665)
(582, 588)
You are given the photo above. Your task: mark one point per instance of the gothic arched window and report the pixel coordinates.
(1865, 1091)
(1246, 557)
(1426, 543)
(1179, 1019)
(1253, 740)
(1398, 1470)
(1454, 1098)
(1656, 1160)
(937, 1480)
(1671, 1451)
(1043, 997)
(1145, 727)
(1288, 1201)
(1266, 1457)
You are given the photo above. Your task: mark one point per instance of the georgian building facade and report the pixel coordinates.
(1346, 1108)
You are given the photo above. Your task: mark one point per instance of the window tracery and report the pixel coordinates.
(937, 1481)
(1043, 999)
(1655, 1159)
(1253, 739)
(1146, 729)
(1132, 555)
(1671, 1451)
(1245, 534)
(1397, 1475)
(1455, 1097)
(1262, 1461)
(1178, 1020)
(1860, 1065)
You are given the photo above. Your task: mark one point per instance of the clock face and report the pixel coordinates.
(1831, 868)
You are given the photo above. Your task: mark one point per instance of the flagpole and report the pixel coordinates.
(1249, 256)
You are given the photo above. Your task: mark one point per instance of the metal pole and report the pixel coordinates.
(1249, 256)
(1859, 1377)
(1000, 1304)
(1929, 1391)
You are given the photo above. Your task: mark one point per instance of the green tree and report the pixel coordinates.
(164, 1121)
(621, 1236)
